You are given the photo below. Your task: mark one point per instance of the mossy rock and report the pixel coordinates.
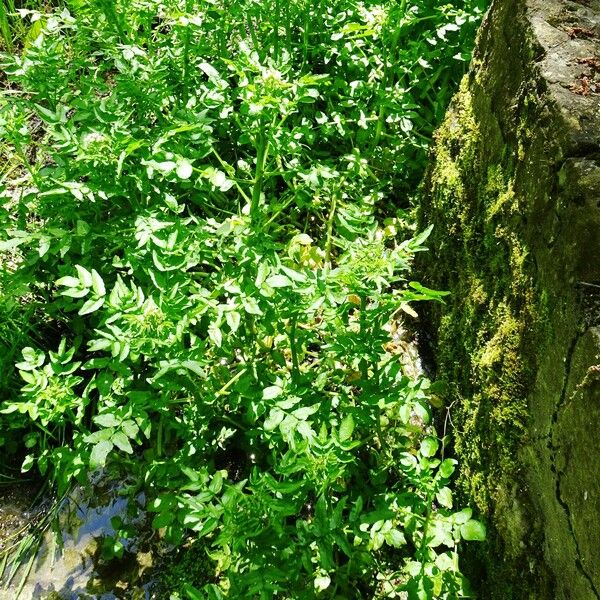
(513, 192)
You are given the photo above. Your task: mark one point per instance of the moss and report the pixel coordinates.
(512, 193)
(190, 565)
(484, 319)
(490, 325)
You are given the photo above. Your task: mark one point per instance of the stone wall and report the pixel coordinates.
(514, 193)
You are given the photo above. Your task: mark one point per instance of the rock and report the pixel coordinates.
(513, 191)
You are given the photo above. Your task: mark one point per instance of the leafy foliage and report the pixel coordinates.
(195, 234)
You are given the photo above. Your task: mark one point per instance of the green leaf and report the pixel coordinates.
(447, 467)
(215, 335)
(47, 115)
(209, 70)
(462, 516)
(216, 483)
(233, 320)
(121, 441)
(473, 531)
(192, 592)
(194, 366)
(274, 419)
(278, 281)
(421, 237)
(163, 503)
(163, 519)
(444, 562)
(85, 277)
(76, 292)
(251, 306)
(213, 591)
(294, 275)
(184, 170)
(305, 411)
(98, 284)
(273, 391)
(165, 166)
(11, 244)
(100, 435)
(27, 463)
(429, 293)
(130, 429)
(32, 359)
(68, 281)
(82, 228)
(322, 582)
(346, 428)
(429, 446)
(106, 420)
(90, 306)
(305, 430)
(395, 538)
(444, 497)
(99, 453)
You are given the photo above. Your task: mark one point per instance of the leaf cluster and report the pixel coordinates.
(192, 225)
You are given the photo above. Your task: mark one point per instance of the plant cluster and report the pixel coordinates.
(206, 292)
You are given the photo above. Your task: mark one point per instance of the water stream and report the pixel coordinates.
(69, 566)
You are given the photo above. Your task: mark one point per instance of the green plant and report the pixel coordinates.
(198, 232)
(13, 31)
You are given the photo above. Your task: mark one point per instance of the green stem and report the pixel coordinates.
(329, 241)
(295, 364)
(364, 367)
(250, 25)
(5, 27)
(230, 383)
(423, 544)
(186, 55)
(21, 154)
(305, 35)
(262, 150)
(276, 27)
(159, 439)
(114, 18)
(226, 166)
(233, 422)
(388, 76)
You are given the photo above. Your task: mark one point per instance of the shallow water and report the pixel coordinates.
(69, 566)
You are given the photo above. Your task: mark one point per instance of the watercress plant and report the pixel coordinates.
(202, 225)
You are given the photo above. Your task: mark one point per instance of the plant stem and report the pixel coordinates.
(423, 544)
(5, 27)
(235, 181)
(262, 150)
(305, 35)
(329, 240)
(388, 76)
(252, 31)
(276, 28)
(186, 56)
(364, 367)
(222, 391)
(295, 365)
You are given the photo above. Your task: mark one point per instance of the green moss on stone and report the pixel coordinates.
(512, 193)
(490, 323)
